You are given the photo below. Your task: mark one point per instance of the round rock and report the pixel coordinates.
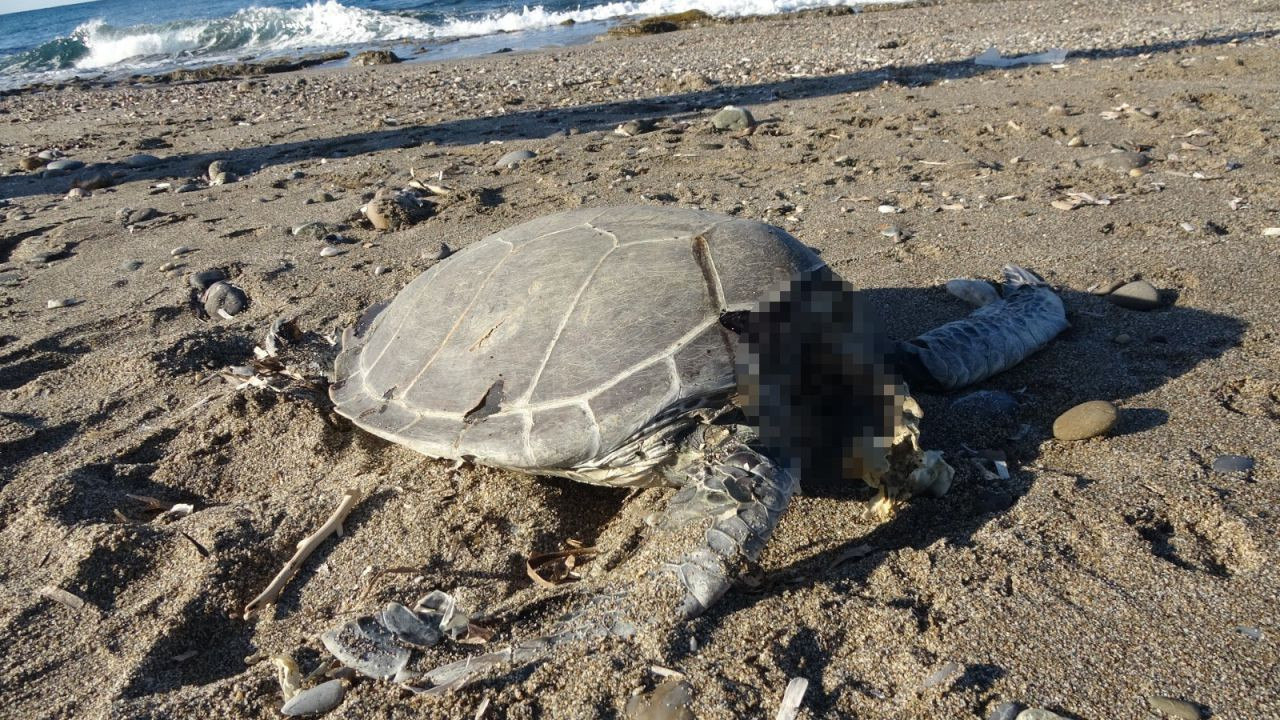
(224, 300)
(203, 279)
(1086, 420)
(733, 118)
(1227, 464)
(64, 165)
(1137, 295)
(514, 158)
(141, 160)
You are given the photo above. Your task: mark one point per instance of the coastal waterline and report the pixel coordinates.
(119, 37)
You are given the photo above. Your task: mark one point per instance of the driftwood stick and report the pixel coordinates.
(306, 546)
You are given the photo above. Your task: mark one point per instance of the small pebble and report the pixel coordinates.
(631, 128)
(329, 251)
(381, 270)
(1120, 162)
(1227, 464)
(888, 209)
(733, 118)
(141, 215)
(223, 299)
(514, 158)
(186, 188)
(167, 267)
(1174, 708)
(313, 701)
(1252, 633)
(1086, 420)
(1137, 295)
(223, 178)
(76, 192)
(203, 279)
(32, 163)
(216, 168)
(130, 265)
(311, 230)
(180, 250)
(1122, 339)
(65, 302)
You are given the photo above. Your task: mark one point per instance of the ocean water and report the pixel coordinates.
(113, 38)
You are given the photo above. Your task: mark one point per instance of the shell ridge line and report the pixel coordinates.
(461, 316)
(595, 427)
(573, 305)
(707, 263)
(527, 421)
(591, 394)
(366, 370)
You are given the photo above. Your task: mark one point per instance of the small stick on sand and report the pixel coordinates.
(305, 547)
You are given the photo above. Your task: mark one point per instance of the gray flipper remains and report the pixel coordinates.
(993, 338)
(718, 522)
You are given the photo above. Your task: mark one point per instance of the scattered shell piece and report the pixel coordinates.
(381, 270)
(513, 159)
(791, 699)
(367, 647)
(180, 250)
(942, 674)
(1271, 232)
(1039, 714)
(287, 674)
(669, 701)
(408, 627)
(888, 209)
(1004, 711)
(330, 251)
(1228, 464)
(313, 701)
(61, 303)
(62, 597)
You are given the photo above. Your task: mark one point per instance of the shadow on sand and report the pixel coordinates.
(537, 124)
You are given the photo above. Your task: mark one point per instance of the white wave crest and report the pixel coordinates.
(535, 17)
(256, 29)
(329, 23)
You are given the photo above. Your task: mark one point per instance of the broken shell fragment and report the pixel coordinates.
(367, 647)
(408, 627)
(313, 701)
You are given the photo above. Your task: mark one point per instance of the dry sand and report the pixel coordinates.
(1102, 572)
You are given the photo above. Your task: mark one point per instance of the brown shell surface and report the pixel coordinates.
(558, 340)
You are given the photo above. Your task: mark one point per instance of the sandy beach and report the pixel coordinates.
(1097, 577)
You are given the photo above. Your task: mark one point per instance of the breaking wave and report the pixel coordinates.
(258, 31)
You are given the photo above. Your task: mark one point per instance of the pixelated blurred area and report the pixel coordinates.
(816, 377)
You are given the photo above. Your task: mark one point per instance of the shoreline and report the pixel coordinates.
(1096, 576)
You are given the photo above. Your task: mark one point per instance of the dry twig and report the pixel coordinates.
(305, 547)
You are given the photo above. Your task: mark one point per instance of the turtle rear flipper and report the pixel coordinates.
(992, 339)
(714, 526)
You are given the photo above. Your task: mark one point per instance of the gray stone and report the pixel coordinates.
(514, 158)
(1120, 162)
(375, 57)
(217, 167)
(203, 279)
(131, 265)
(330, 251)
(64, 165)
(1232, 464)
(48, 155)
(188, 187)
(94, 180)
(224, 178)
(141, 160)
(1137, 295)
(313, 701)
(1174, 708)
(1086, 420)
(631, 128)
(733, 118)
(141, 215)
(32, 163)
(224, 299)
(391, 210)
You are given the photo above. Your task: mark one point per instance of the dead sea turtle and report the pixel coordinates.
(645, 346)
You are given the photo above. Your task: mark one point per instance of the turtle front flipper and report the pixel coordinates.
(728, 509)
(992, 339)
